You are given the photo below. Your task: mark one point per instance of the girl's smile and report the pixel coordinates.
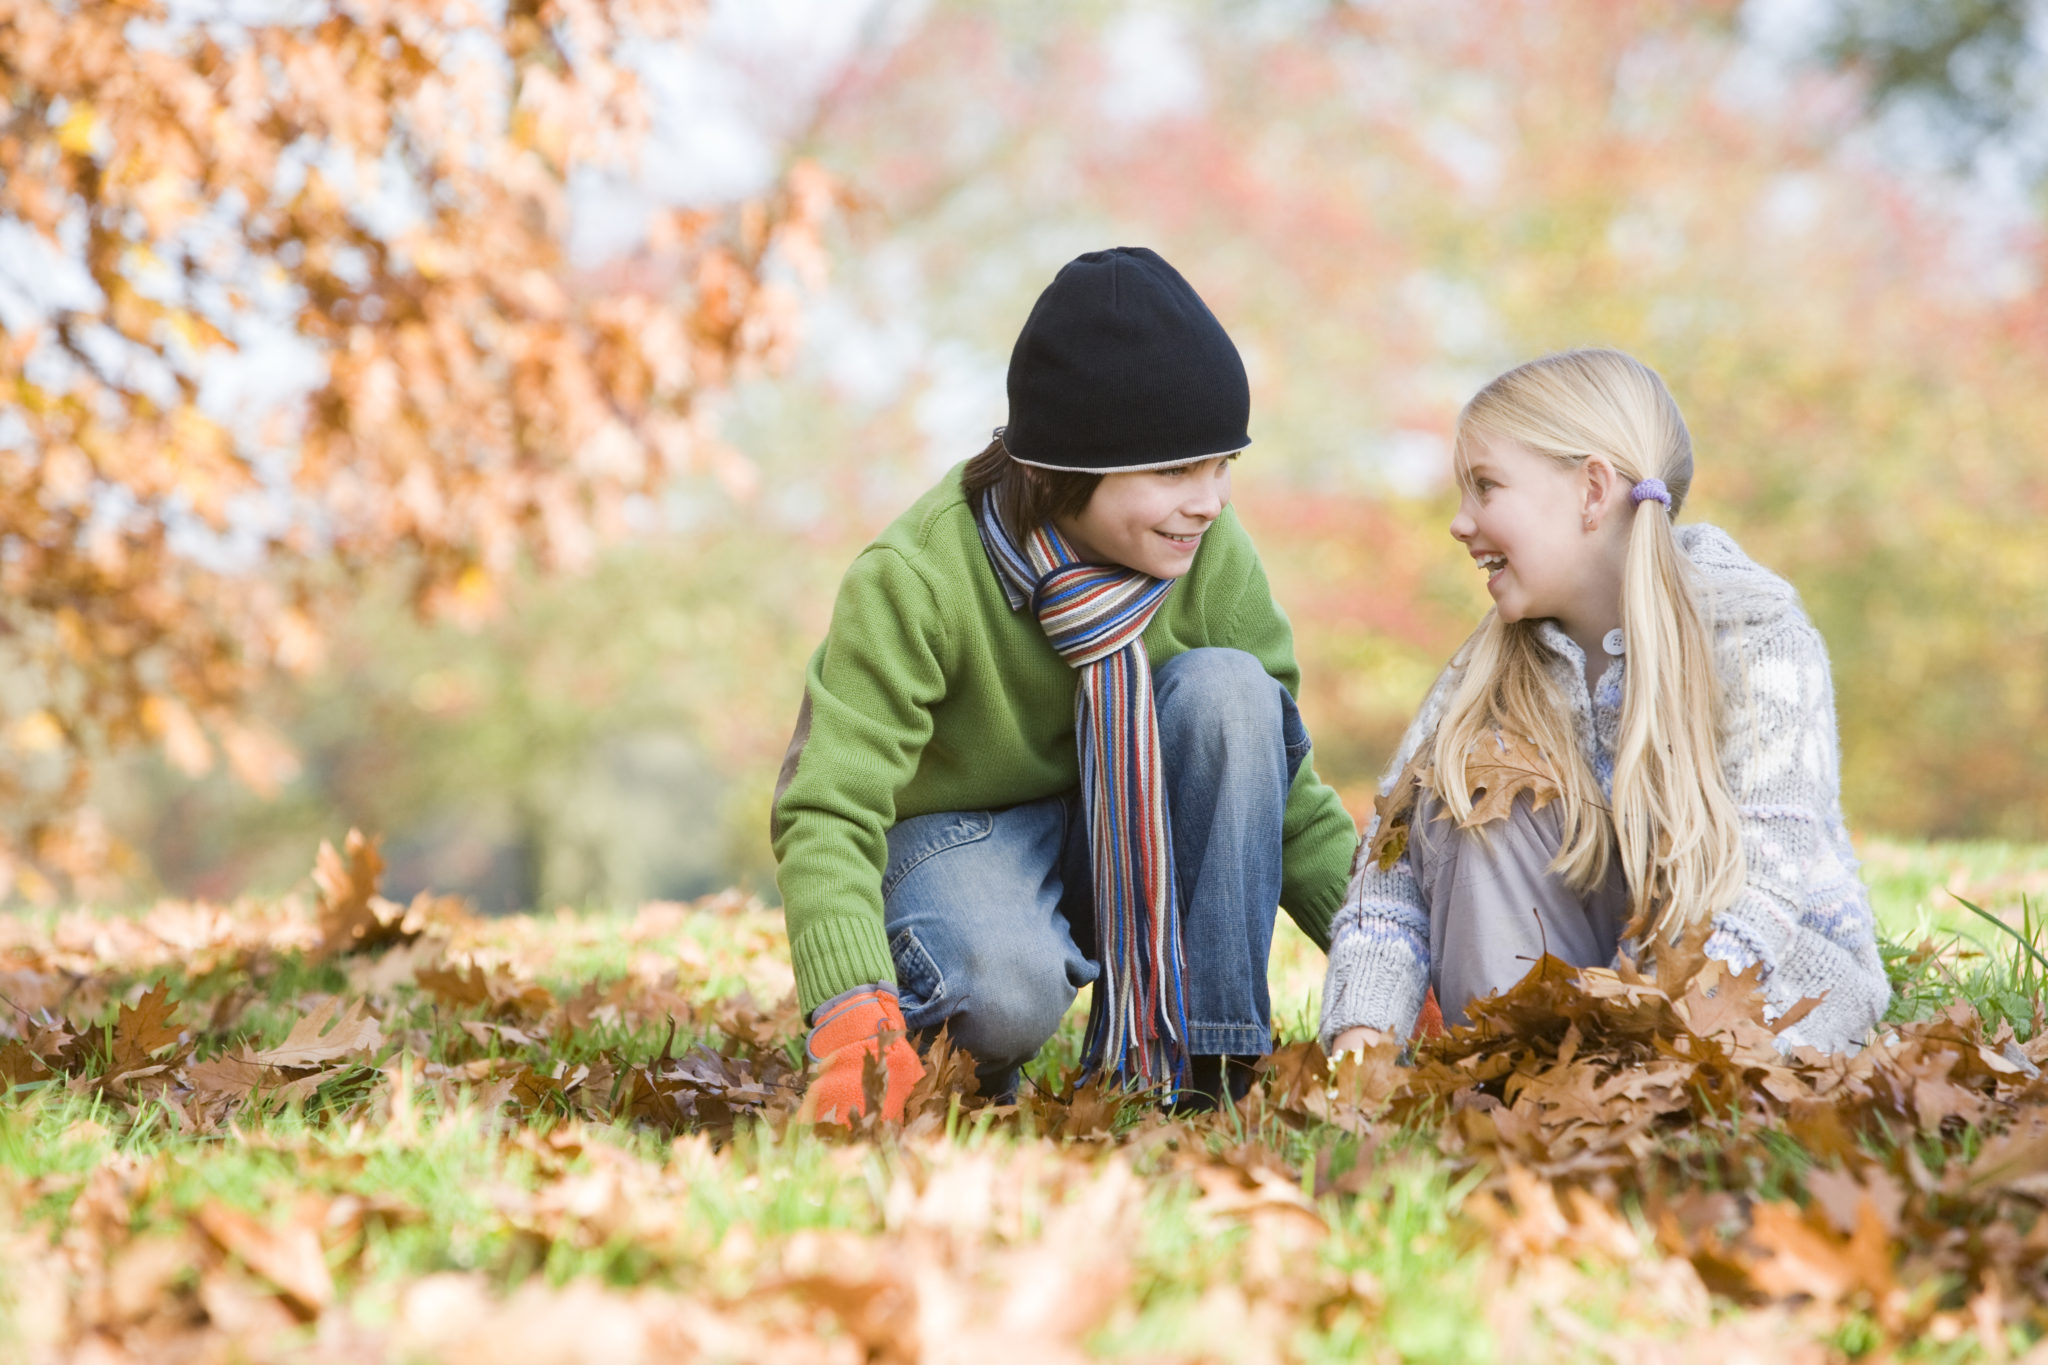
(1550, 536)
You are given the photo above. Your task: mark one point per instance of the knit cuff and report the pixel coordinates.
(1853, 995)
(1734, 944)
(1373, 981)
(1315, 916)
(1759, 927)
(835, 956)
(1800, 963)
(1842, 1029)
(821, 1017)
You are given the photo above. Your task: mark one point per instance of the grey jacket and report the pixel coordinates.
(1803, 912)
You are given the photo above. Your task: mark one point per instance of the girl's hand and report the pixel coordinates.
(1361, 1040)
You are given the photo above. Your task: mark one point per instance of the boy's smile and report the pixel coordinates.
(1150, 520)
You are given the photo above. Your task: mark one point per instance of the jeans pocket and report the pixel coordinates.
(923, 836)
(1293, 734)
(918, 981)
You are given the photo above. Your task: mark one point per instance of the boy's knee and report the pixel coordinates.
(1214, 688)
(1011, 1012)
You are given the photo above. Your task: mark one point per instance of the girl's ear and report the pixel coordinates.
(1600, 483)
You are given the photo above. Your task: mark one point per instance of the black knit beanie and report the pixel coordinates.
(1121, 366)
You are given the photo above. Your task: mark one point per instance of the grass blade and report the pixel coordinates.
(2018, 937)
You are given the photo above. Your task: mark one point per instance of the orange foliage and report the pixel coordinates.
(385, 183)
(1388, 204)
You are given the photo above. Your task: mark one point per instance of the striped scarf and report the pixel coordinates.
(1094, 615)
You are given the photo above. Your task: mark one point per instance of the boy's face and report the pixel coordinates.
(1152, 520)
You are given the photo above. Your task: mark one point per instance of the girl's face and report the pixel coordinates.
(1546, 534)
(1151, 520)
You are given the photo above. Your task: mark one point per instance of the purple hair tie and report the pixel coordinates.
(1651, 489)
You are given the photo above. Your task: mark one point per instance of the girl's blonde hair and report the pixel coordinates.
(1673, 822)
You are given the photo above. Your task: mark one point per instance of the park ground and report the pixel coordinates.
(327, 1127)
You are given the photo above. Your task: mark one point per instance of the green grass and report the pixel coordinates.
(1406, 1263)
(1923, 893)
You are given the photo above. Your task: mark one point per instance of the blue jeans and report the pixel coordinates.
(990, 913)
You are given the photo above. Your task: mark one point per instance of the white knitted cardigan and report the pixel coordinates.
(1803, 912)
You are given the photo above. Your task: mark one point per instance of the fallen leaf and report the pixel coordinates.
(242, 1077)
(1841, 1196)
(140, 1274)
(1395, 810)
(142, 1030)
(288, 1256)
(1809, 1260)
(459, 987)
(353, 916)
(472, 986)
(1091, 1113)
(1498, 772)
(1716, 1004)
(311, 1040)
(19, 1066)
(1675, 959)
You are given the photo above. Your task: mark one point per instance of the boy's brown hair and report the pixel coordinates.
(1026, 496)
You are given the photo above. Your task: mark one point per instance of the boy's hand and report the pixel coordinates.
(862, 1024)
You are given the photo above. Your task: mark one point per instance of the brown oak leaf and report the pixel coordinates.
(1718, 1003)
(1805, 1259)
(19, 1066)
(353, 917)
(1840, 1196)
(458, 987)
(241, 1077)
(471, 986)
(1396, 809)
(312, 1042)
(289, 1257)
(1676, 959)
(1499, 772)
(143, 1029)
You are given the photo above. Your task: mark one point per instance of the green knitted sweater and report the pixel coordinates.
(931, 694)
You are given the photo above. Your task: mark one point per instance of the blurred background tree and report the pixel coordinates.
(1969, 77)
(288, 308)
(1386, 205)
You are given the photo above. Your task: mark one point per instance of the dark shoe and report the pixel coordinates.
(1210, 1079)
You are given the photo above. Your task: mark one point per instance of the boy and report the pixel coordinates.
(1051, 739)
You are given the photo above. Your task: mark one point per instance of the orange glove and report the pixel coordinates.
(849, 1030)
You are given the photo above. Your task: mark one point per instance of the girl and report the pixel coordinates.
(1050, 737)
(1671, 692)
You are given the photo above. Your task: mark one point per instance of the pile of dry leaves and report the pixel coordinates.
(1916, 1168)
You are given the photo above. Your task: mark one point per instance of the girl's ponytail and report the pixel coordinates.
(1672, 822)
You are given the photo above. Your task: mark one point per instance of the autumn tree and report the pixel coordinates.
(378, 193)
